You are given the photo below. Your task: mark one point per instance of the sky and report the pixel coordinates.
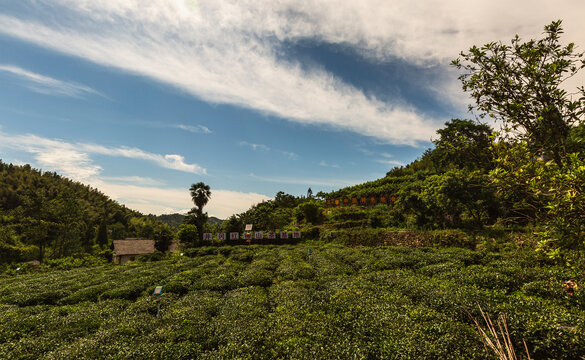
(141, 99)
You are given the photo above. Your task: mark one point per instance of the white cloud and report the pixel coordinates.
(132, 180)
(387, 160)
(390, 162)
(48, 85)
(141, 193)
(156, 200)
(255, 146)
(73, 159)
(225, 52)
(169, 161)
(290, 155)
(196, 129)
(325, 164)
(53, 155)
(230, 51)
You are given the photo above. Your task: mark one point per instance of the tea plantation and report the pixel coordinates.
(276, 302)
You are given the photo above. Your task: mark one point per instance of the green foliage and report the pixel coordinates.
(520, 84)
(564, 218)
(188, 234)
(155, 256)
(233, 224)
(102, 234)
(46, 216)
(200, 194)
(173, 220)
(516, 176)
(272, 215)
(163, 237)
(463, 144)
(280, 302)
(72, 262)
(310, 212)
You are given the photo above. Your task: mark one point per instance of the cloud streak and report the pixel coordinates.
(232, 51)
(196, 129)
(255, 146)
(225, 52)
(47, 85)
(141, 193)
(326, 164)
(74, 160)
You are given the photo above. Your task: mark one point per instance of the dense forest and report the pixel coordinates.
(43, 214)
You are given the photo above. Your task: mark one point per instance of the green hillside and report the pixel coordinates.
(173, 220)
(43, 214)
(276, 302)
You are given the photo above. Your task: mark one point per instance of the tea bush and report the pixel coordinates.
(274, 302)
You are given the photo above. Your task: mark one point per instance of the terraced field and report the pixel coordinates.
(276, 302)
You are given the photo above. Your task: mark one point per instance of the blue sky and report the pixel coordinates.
(142, 99)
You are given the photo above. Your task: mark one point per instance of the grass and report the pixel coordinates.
(497, 339)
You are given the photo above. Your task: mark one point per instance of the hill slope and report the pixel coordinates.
(45, 214)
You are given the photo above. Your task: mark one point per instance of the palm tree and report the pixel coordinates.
(200, 193)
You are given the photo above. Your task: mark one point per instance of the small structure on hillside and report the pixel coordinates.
(129, 248)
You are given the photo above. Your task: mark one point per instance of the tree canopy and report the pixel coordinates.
(200, 194)
(521, 85)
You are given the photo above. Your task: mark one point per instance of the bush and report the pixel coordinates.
(284, 302)
(72, 262)
(310, 211)
(155, 256)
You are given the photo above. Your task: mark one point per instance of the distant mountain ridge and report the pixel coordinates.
(175, 220)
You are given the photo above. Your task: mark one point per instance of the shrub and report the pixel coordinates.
(155, 256)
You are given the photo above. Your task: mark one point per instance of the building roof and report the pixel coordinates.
(133, 247)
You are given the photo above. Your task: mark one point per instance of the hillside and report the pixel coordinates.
(173, 220)
(45, 214)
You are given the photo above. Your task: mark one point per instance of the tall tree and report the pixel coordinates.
(200, 194)
(463, 144)
(521, 84)
(102, 233)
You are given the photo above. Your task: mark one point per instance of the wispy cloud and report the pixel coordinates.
(74, 159)
(387, 159)
(48, 85)
(196, 129)
(389, 162)
(141, 193)
(290, 155)
(169, 161)
(255, 146)
(132, 180)
(325, 164)
(229, 52)
(306, 181)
